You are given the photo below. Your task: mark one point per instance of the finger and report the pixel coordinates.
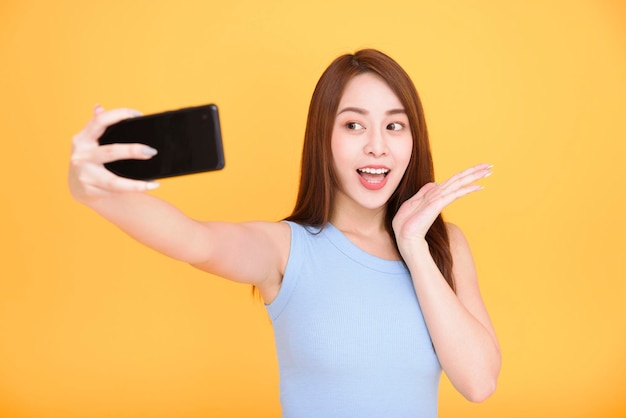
(440, 200)
(422, 192)
(472, 172)
(472, 188)
(461, 183)
(113, 152)
(468, 176)
(98, 109)
(99, 178)
(121, 184)
(103, 119)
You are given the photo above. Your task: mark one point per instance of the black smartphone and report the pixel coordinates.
(188, 141)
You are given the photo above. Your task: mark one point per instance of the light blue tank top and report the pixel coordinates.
(350, 336)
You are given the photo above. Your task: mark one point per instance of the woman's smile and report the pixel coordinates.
(372, 139)
(373, 177)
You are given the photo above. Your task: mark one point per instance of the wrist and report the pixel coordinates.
(415, 247)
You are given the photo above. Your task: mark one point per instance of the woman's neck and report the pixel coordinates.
(366, 229)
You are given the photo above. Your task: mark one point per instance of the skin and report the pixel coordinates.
(370, 130)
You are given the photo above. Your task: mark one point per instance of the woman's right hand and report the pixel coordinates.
(88, 178)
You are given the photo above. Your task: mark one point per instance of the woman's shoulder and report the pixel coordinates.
(464, 269)
(278, 233)
(456, 236)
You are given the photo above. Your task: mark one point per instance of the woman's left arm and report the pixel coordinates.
(458, 323)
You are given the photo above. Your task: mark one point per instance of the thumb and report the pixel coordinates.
(97, 109)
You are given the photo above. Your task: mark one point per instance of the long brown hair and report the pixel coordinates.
(318, 180)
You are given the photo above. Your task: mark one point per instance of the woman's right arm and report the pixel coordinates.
(215, 247)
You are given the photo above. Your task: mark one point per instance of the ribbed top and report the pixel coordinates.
(350, 336)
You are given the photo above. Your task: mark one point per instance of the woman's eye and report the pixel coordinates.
(354, 126)
(395, 126)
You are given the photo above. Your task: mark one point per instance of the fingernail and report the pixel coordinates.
(488, 174)
(135, 113)
(490, 166)
(151, 185)
(149, 151)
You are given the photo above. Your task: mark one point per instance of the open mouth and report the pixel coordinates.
(373, 175)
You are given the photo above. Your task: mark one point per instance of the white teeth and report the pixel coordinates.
(373, 170)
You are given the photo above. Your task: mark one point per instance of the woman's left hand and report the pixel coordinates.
(416, 215)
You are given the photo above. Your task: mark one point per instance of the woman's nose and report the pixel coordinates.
(376, 144)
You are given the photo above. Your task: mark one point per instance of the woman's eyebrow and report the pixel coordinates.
(358, 110)
(362, 111)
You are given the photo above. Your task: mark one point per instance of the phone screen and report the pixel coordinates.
(188, 141)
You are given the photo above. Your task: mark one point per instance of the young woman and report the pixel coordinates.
(370, 293)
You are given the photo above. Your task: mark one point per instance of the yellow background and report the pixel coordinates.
(94, 325)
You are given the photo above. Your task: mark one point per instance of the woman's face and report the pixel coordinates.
(371, 142)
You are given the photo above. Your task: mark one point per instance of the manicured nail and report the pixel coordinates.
(490, 166)
(488, 174)
(135, 113)
(151, 185)
(149, 151)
